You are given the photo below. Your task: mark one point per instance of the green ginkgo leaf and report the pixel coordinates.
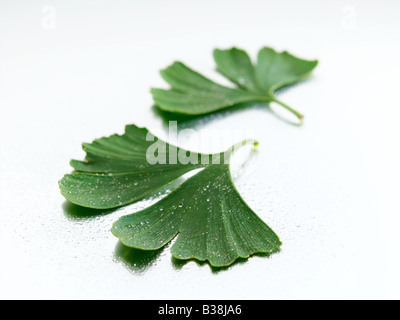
(194, 94)
(213, 222)
(206, 213)
(116, 171)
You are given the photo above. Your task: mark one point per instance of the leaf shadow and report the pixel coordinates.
(141, 261)
(195, 121)
(135, 260)
(192, 122)
(75, 212)
(179, 264)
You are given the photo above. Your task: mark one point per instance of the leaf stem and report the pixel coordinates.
(239, 145)
(295, 112)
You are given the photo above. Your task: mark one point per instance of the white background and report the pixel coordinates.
(72, 71)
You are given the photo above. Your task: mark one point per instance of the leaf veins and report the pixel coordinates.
(206, 213)
(193, 94)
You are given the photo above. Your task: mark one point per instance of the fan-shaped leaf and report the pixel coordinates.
(193, 94)
(206, 213)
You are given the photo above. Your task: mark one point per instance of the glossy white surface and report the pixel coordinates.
(72, 71)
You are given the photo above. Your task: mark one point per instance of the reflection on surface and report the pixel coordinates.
(179, 264)
(74, 212)
(140, 261)
(136, 261)
(195, 121)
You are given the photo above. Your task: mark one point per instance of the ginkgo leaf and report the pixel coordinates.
(194, 94)
(212, 221)
(117, 172)
(206, 213)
